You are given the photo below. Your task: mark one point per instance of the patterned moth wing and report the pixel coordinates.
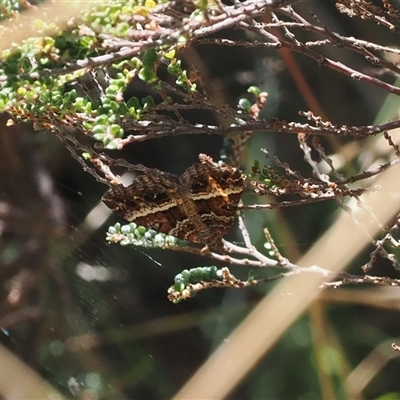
(199, 206)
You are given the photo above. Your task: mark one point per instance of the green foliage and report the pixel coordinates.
(244, 104)
(147, 72)
(264, 174)
(196, 275)
(40, 78)
(185, 282)
(136, 235)
(175, 68)
(10, 8)
(254, 90)
(112, 17)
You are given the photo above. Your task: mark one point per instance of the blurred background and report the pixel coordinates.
(93, 319)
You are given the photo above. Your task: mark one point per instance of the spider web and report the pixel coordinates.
(89, 317)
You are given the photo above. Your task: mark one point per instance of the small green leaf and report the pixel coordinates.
(113, 145)
(244, 104)
(254, 90)
(170, 55)
(149, 58)
(147, 75)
